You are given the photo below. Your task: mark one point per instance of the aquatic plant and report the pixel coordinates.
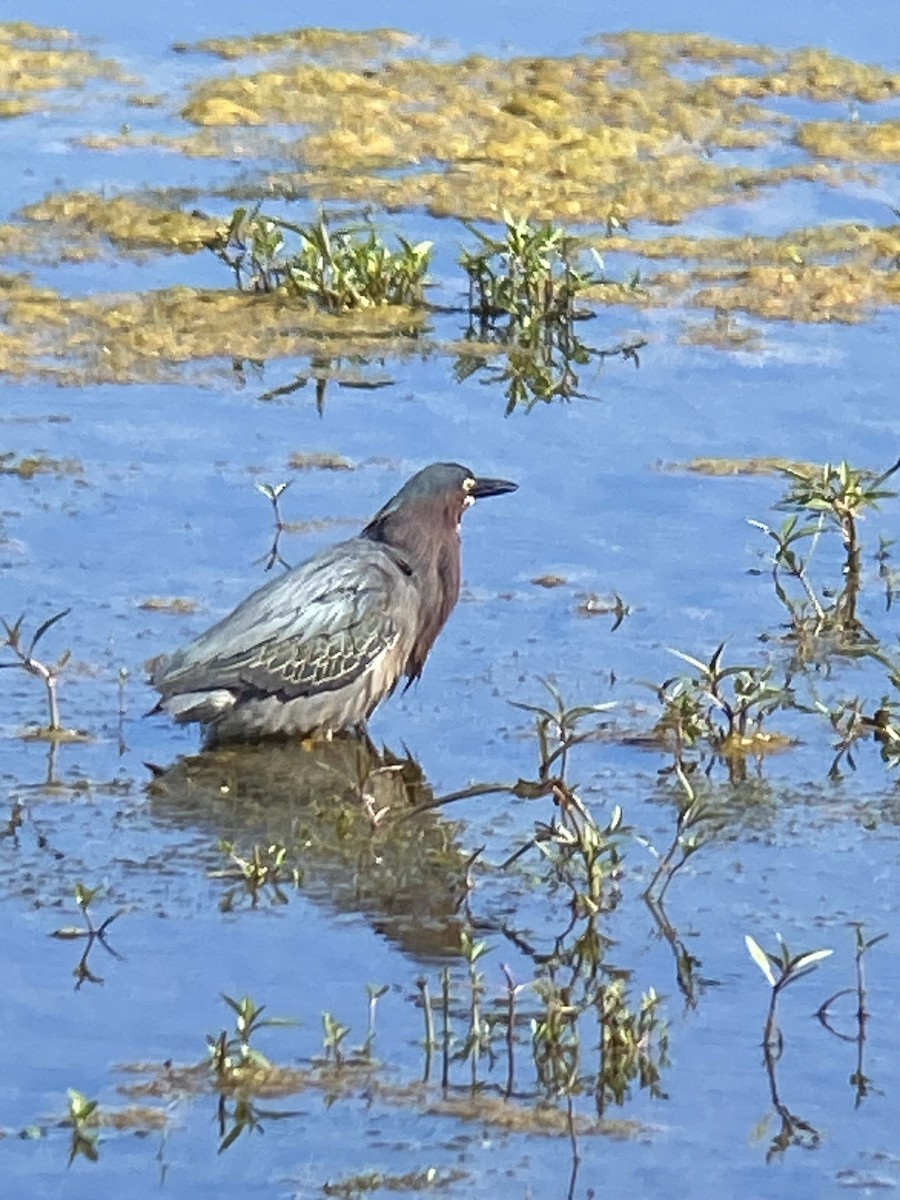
(231, 1056)
(721, 709)
(523, 288)
(529, 278)
(780, 970)
(263, 870)
(828, 499)
(696, 822)
(335, 269)
(94, 934)
(85, 1122)
(861, 1083)
(24, 658)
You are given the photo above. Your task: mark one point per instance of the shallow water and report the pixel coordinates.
(162, 503)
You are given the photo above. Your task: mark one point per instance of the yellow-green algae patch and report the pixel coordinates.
(619, 134)
(35, 62)
(729, 467)
(30, 465)
(862, 242)
(876, 141)
(811, 293)
(313, 41)
(813, 74)
(646, 50)
(522, 1115)
(177, 605)
(319, 460)
(83, 219)
(722, 333)
(152, 335)
(581, 138)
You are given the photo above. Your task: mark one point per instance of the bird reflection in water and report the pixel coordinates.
(334, 805)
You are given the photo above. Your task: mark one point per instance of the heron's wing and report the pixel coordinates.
(316, 628)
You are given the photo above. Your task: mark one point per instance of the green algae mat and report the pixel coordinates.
(633, 145)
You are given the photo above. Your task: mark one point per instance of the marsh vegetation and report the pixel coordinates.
(537, 925)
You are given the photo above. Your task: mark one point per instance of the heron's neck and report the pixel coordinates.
(425, 538)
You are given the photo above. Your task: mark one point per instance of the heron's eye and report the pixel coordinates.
(468, 484)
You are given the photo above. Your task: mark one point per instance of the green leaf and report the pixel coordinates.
(760, 958)
(231, 1137)
(693, 662)
(805, 961)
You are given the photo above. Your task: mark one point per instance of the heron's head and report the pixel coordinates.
(435, 498)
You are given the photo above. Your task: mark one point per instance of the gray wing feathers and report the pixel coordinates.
(315, 628)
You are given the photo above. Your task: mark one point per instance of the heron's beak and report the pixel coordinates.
(491, 487)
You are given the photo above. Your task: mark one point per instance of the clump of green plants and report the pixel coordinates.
(828, 504)
(634, 1044)
(231, 1055)
(240, 1070)
(264, 871)
(547, 1014)
(722, 709)
(523, 291)
(527, 281)
(833, 499)
(337, 270)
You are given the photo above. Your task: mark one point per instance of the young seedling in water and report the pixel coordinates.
(859, 1079)
(780, 970)
(94, 933)
(263, 870)
(273, 493)
(84, 1120)
(232, 1055)
(333, 1034)
(478, 1035)
(25, 659)
(834, 498)
(374, 991)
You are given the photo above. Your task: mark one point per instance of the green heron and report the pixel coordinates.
(316, 650)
